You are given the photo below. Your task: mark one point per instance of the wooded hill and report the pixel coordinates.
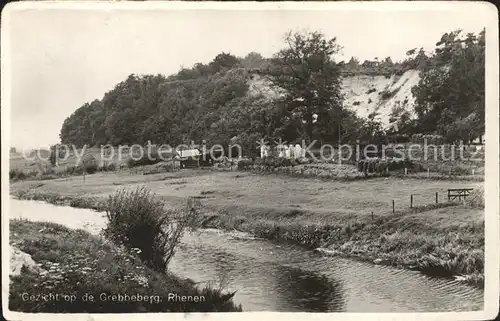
(296, 94)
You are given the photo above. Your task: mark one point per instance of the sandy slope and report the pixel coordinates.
(355, 89)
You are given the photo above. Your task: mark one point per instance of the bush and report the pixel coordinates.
(70, 170)
(268, 163)
(16, 174)
(111, 167)
(163, 167)
(378, 165)
(386, 94)
(19, 174)
(46, 173)
(75, 170)
(431, 139)
(90, 168)
(107, 167)
(398, 138)
(246, 163)
(280, 162)
(87, 165)
(356, 103)
(372, 90)
(137, 221)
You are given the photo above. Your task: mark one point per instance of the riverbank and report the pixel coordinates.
(406, 239)
(352, 219)
(80, 265)
(437, 240)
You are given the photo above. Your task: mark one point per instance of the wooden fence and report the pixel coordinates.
(453, 194)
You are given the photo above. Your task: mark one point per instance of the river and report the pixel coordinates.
(268, 276)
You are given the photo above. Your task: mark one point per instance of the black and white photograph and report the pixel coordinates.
(200, 157)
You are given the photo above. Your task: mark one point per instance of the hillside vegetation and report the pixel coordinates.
(301, 92)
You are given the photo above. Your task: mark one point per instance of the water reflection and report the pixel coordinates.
(309, 292)
(280, 277)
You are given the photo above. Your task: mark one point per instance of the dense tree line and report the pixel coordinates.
(213, 102)
(450, 97)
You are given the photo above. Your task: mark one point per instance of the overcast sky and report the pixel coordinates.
(62, 59)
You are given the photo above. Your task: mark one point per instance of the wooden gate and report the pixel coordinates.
(460, 193)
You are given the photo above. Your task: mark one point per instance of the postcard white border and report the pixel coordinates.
(479, 10)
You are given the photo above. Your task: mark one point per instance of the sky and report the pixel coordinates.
(61, 59)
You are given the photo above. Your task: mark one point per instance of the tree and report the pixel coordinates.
(353, 61)
(449, 93)
(307, 73)
(400, 117)
(462, 129)
(366, 131)
(254, 60)
(53, 155)
(223, 61)
(410, 53)
(85, 126)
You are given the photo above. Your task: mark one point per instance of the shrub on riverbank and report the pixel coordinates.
(137, 221)
(77, 263)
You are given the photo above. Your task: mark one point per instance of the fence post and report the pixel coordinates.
(411, 200)
(406, 171)
(473, 172)
(436, 197)
(393, 207)
(428, 172)
(372, 216)
(84, 177)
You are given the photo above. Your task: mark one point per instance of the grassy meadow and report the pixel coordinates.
(349, 218)
(260, 192)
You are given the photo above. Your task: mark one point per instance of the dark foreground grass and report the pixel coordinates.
(81, 265)
(397, 240)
